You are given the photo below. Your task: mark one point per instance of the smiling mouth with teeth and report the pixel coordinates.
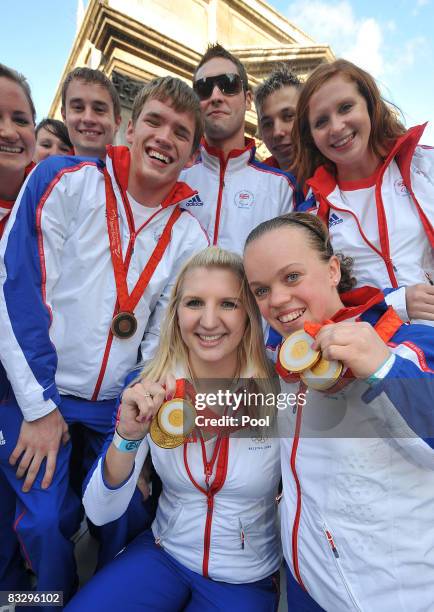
(210, 338)
(90, 133)
(160, 156)
(6, 149)
(291, 316)
(343, 141)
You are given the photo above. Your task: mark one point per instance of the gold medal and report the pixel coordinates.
(322, 375)
(296, 353)
(124, 325)
(175, 420)
(163, 440)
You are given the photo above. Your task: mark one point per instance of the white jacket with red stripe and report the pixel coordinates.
(57, 285)
(233, 538)
(392, 239)
(236, 194)
(358, 482)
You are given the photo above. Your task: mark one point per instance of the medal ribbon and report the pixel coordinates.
(127, 302)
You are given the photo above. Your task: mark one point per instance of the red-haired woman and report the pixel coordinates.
(372, 182)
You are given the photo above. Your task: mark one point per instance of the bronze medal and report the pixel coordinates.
(124, 325)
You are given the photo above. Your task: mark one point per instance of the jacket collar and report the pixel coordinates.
(357, 301)
(119, 170)
(213, 156)
(7, 205)
(272, 162)
(324, 181)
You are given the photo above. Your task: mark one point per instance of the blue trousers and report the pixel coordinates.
(298, 599)
(41, 521)
(38, 525)
(144, 577)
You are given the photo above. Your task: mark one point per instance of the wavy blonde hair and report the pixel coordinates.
(172, 351)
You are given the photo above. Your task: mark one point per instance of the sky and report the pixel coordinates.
(392, 39)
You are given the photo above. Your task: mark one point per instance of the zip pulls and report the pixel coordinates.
(331, 542)
(242, 535)
(337, 562)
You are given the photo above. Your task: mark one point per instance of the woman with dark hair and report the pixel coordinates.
(51, 139)
(17, 137)
(357, 456)
(372, 183)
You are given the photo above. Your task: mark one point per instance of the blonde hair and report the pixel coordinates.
(172, 351)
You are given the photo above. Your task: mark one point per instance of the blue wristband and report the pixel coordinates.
(125, 446)
(382, 371)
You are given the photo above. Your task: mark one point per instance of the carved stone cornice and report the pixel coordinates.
(126, 87)
(131, 52)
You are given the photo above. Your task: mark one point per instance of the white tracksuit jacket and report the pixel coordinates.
(236, 194)
(392, 239)
(57, 286)
(206, 536)
(358, 482)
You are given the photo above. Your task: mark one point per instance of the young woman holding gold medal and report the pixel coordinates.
(214, 543)
(357, 457)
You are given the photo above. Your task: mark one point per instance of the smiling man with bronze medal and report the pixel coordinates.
(95, 247)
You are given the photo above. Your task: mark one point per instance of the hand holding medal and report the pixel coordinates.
(298, 356)
(176, 418)
(138, 406)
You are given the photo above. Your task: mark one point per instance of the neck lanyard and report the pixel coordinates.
(124, 323)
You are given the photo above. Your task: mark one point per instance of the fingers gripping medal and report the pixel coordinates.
(174, 422)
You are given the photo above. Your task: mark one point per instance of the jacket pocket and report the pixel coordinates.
(163, 528)
(257, 540)
(336, 556)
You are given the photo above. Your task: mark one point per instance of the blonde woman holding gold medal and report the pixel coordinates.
(214, 543)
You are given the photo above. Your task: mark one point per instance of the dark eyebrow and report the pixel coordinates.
(178, 126)
(20, 113)
(100, 103)
(81, 101)
(280, 271)
(183, 129)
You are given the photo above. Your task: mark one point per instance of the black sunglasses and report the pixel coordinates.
(229, 84)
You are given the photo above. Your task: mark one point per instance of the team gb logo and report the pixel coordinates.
(400, 188)
(244, 199)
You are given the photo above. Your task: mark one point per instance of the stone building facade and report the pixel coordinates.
(133, 41)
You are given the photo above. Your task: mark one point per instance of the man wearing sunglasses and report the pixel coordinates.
(235, 191)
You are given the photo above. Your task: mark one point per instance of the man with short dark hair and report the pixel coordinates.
(275, 100)
(91, 110)
(236, 192)
(86, 267)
